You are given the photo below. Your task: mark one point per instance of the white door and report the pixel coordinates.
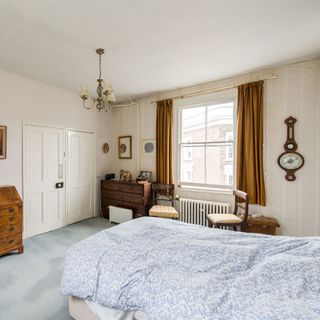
(80, 175)
(44, 205)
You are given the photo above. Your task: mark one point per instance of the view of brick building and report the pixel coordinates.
(207, 147)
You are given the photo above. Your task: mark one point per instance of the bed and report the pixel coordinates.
(159, 269)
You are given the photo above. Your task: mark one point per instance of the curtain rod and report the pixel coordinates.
(187, 95)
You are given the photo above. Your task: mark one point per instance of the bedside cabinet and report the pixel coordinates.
(263, 225)
(10, 220)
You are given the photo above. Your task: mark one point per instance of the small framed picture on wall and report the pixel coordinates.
(3, 142)
(149, 148)
(125, 147)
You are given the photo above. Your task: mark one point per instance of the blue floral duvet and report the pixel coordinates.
(172, 270)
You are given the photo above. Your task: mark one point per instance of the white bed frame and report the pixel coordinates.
(79, 309)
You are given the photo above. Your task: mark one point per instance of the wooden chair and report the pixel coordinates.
(163, 192)
(234, 220)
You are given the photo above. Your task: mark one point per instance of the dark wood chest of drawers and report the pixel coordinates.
(10, 220)
(130, 195)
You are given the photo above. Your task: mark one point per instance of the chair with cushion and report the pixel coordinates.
(234, 220)
(163, 192)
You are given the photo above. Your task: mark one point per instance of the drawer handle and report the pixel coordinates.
(11, 241)
(11, 218)
(11, 209)
(11, 228)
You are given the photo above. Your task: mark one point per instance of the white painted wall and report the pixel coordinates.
(296, 92)
(26, 100)
(126, 124)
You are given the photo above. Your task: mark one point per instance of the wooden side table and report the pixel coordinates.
(263, 225)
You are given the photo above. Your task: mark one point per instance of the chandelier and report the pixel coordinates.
(105, 94)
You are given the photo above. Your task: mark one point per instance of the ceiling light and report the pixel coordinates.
(105, 93)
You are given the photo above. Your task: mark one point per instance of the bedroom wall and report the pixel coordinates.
(26, 100)
(296, 92)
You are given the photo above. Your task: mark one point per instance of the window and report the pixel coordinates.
(206, 144)
(229, 149)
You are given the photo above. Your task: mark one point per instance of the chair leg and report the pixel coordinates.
(210, 224)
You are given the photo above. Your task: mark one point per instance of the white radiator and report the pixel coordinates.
(195, 211)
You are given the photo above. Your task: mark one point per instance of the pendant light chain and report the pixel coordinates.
(99, 66)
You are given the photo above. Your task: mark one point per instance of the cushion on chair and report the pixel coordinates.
(163, 212)
(224, 218)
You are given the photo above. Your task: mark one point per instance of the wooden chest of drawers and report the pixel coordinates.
(130, 195)
(10, 220)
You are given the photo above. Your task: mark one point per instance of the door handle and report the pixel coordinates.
(60, 171)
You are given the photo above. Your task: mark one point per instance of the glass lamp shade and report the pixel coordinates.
(107, 86)
(84, 92)
(111, 97)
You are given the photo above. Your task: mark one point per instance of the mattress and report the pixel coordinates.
(81, 309)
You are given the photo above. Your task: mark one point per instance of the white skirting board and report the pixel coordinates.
(119, 215)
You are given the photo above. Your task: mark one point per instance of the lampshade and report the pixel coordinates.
(111, 97)
(107, 86)
(84, 91)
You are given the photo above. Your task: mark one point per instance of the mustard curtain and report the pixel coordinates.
(164, 141)
(249, 172)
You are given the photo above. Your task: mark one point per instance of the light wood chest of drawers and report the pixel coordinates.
(10, 220)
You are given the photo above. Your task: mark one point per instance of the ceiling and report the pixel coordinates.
(153, 45)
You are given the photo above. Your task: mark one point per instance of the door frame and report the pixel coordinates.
(26, 124)
(94, 167)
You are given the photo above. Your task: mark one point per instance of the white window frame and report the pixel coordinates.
(228, 136)
(200, 101)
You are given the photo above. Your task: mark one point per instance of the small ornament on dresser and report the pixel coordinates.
(125, 175)
(145, 176)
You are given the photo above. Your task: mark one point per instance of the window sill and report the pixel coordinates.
(205, 190)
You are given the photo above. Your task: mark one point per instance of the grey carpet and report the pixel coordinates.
(30, 283)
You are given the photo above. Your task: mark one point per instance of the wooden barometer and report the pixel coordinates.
(290, 160)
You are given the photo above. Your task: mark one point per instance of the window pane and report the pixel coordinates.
(192, 164)
(220, 164)
(220, 122)
(193, 124)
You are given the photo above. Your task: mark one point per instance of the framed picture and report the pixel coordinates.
(145, 176)
(3, 142)
(125, 147)
(149, 148)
